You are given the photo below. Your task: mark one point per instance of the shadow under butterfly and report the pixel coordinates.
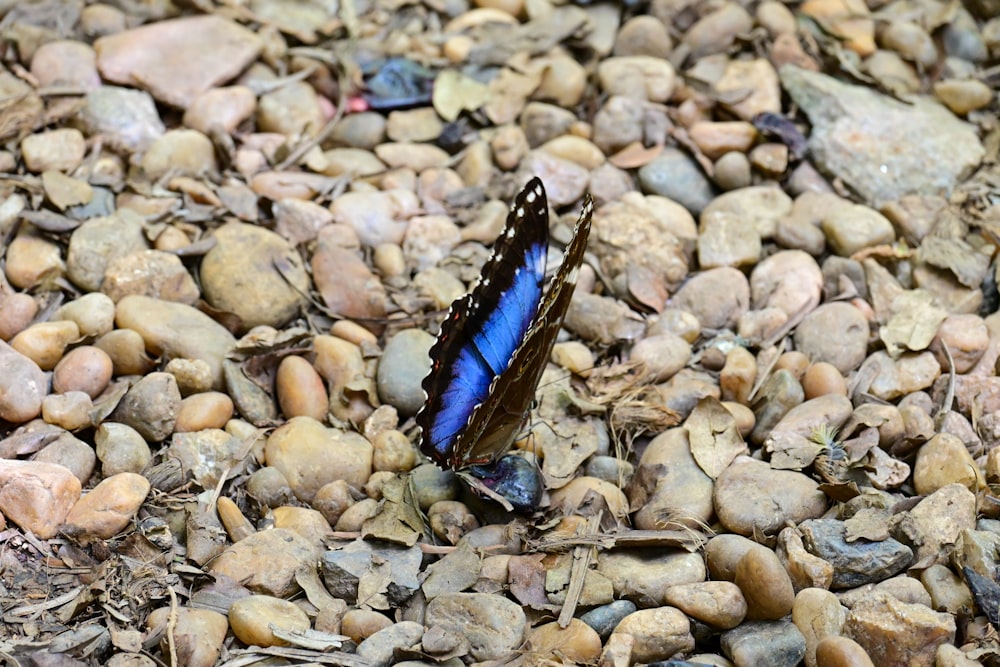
(491, 352)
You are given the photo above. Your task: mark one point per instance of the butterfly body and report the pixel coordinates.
(496, 340)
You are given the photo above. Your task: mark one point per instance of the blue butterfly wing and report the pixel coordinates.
(484, 329)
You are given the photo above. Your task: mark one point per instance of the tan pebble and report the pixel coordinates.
(300, 389)
(36, 495)
(223, 108)
(126, 350)
(794, 362)
(393, 452)
(776, 18)
(457, 48)
(342, 365)
(69, 410)
(211, 409)
(765, 584)
(818, 614)
(771, 159)
(180, 152)
(332, 500)
(963, 96)
(250, 618)
(575, 149)
(31, 260)
(659, 633)
(329, 617)
(120, 448)
(563, 80)
(643, 35)
(966, 336)
(823, 378)
(719, 604)
(841, 652)
(61, 150)
(944, 460)
(94, 313)
(745, 418)
(308, 523)
(85, 368)
(193, 376)
(388, 258)
(171, 239)
(269, 487)
(738, 375)
(577, 642)
(510, 146)
(947, 590)
(715, 139)
(355, 516)
(198, 634)
(359, 624)
(108, 508)
(663, 355)
(237, 526)
(724, 552)
(16, 313)
(574, 356)
(379, 478)
(353, 332)
(45, 342)
(849, 20)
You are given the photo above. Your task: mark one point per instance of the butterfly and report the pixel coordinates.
(496, 341)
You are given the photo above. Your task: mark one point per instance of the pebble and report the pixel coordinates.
(894, 632)
(402, 368)
(70, 410)
(153, 273)
(17, 310)
(851, 229)
(756, 76)
(198, 634)
(732, 171)
(127, 351)
(45, 342)
(136, 56)
(380, 648)
(85, 368)
(751, 497)
(967, 338)
(641, 77)
(938, 521)
(150, 406)
(963, 96)
(944, 460)
(720, 604)
(716, 31)
(822, 379)
(857, 562)
(70, 452)
(255, 274)
(658, 634)
(377, 217)
(120, 448)
(669, 487)
(37, 496)
(841, 652)
(293, 110)
(220, 108)
(605, 619)
(294, 447)
(716, 139)
(854, 127)
(65, 62)
(393, 452)
(674, 175)
(818, 614)
(93, 313)
(108, 508)
(717, 297)
(910, 41)
(643, 35)
(176, 330)
(662, 355)
(765, 585)
(348, 286)
(577, 642)
(23, 386)
(251, 620)
(179, 153)
(849, 21)
(300, 389)
(60, 150)
(266, 562)
(836, 333)
(211, 409)
(948, 591)
(494, 626)
(193, 376)
(727, 241)
(638, 576)
(126, 118)
(99, 241)
(777, 643)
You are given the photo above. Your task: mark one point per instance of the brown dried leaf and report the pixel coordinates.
(869, 523)
(957, 256)
(397, 520)
(715, 439)
(886, 472)
(526, 576)
(635, 155)
(452, 574)
(914, 322)
(454, 93)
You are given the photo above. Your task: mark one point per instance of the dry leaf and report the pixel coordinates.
(454, 93)
(635, 155)
(715, 439)
(914, 322)
(957, 256)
